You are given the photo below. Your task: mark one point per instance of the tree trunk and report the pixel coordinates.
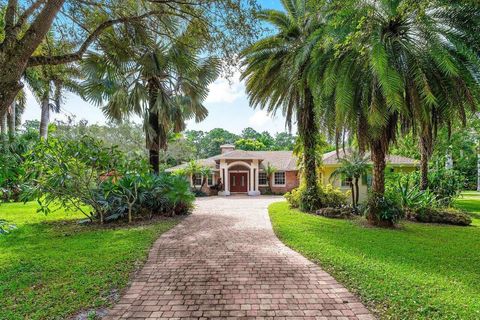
(16, 51)
(424, 157)
(378, 158)
(378, 155)
(45, 117)
(153, 132)
(308, 132)
(357, 193)
(11, 116)
(478, 166)
(352, 188)
(3, 127)
(130, 212)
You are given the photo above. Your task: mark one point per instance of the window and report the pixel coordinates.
(210, 180)
(262, 178)
(279, 178)
(367, 180)
(197, 180)
(346, 181)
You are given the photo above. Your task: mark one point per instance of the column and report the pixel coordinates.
(254, 173)
(226, 187)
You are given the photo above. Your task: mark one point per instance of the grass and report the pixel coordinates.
(419, 271)
(51, 267)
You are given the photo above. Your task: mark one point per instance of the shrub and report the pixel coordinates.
(100, 182)
(5, 227)
(382, 210)
(338, 213)
(333, 197)
(327, 196)
(409, 196)
(442, 215)
(12, 157)
(446, 184)
(68, 174)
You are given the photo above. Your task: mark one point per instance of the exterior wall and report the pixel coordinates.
(291, 182)
(363, 188)
(206, 188)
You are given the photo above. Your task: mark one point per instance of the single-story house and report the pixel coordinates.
(242, 171)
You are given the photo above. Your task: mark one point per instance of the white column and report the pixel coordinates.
(254, 168)
(226, 187)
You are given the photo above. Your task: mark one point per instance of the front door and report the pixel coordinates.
(238, 181)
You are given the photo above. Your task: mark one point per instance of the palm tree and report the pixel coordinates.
(276, 69)
(388, 65)
(353, 167)
(48, 85)
(269, 172)
(10, 121)
(164, 82)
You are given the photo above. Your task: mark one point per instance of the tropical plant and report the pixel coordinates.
(352, 168)
(223, 26)
(192, 170)
(68, 174)
(163, 81)
(276, 69)
(269, 172)
(12, 169)
(330, 197)
(6, 227)
(372, 72)
(205, 172)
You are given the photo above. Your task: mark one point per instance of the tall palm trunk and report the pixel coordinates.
(357, 193)
(478, 166)
(45, 116)
(425, 153)
(11, 117)
(153, 138)
(378, 155)
(3, 127)
(309, 133)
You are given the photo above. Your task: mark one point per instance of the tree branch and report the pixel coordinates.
(72, 57)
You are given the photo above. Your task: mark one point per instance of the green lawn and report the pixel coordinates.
(52, 267)
(418, 271)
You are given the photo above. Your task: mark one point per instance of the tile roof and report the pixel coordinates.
(283, 160)
(330, 158)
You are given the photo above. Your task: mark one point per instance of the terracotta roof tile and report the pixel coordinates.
(283, 160)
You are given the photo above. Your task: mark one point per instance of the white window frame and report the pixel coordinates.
(212, 176)
(266, 179)
(193, 180)
(284, 179)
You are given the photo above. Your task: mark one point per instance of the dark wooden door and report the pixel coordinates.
(238, 181)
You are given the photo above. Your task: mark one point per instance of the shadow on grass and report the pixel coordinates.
(52, 269)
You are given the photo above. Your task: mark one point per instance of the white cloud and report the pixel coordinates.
(223, 91)
(259, 119)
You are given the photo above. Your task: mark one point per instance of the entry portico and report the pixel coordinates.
(238, 171)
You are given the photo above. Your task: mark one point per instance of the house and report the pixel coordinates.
(243, 171)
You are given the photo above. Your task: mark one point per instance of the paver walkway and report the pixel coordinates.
(224, 261)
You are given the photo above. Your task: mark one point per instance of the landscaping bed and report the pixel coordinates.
(417, 271)
(51, 267)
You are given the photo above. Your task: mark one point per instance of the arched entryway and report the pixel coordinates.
(239, 178)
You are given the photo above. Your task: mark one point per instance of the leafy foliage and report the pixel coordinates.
(385, 209)
(6, 227)
(443, 215)
(325, 197)
(100, 182)
(12, 169)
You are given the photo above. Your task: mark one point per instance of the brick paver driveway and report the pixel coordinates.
(224, 261)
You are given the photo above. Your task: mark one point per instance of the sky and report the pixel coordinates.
(227, 103)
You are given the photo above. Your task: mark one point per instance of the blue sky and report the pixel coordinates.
(227, 104)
